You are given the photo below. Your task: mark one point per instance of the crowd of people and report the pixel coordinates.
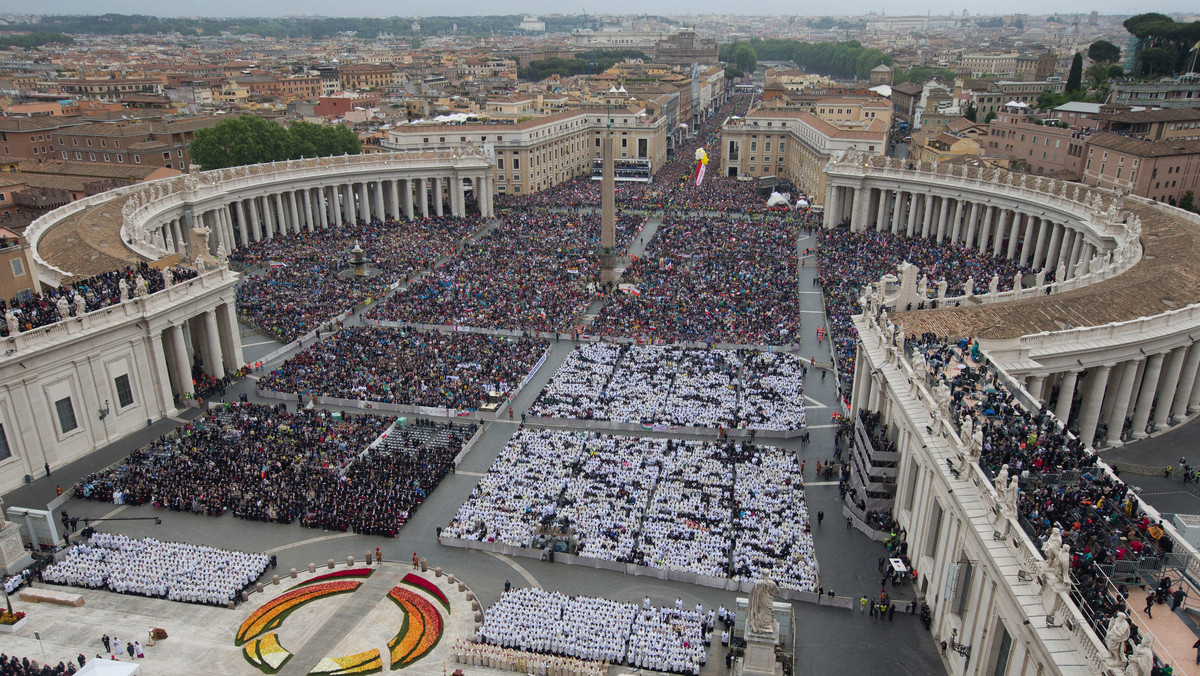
(150, 567)
(677, 386)
(668, 639)
(264, 463)
(11, 665)
(710, 279)
(531, 273)
(418, 368)
(95, 293)
(849, 260)
(296, 282)
(1063, 496)
(714, 509)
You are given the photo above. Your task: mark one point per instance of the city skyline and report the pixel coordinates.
(379, 8)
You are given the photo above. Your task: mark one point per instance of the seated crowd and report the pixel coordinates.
(417, 368)
(849, 260)
(710, 279)
(677, 386)
(1061, 484)
(149, 567)
(529, 274)
(588, 628)
(663, 503)
(299, 286)
(97, 292)
(264, 463)
(11, 665)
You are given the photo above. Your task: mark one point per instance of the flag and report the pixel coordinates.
(701, 165)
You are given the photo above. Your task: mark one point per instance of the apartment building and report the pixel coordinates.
(1160, 170)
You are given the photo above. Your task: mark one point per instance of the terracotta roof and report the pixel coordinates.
(89, 242)
(1166, 276)
(1134, 146)
(1142, 116)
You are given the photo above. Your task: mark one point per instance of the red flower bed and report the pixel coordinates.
(428, 587)
(337, 575)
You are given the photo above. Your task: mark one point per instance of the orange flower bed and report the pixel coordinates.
(271, 614)
(421, 631)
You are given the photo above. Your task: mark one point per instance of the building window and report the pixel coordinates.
(66, 414)
(124, 391)
(5, 452)
(137, 159)
(18, 267)
(78, 155)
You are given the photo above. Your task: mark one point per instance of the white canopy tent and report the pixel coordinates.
(107, 667)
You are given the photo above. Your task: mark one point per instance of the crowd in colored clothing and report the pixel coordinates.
(1062, 487)
(11, 665)
(303, 284)
(671, 504)
(97, 292)
(264, 463)
(849, 260)
(677, 386)
(417, 368)
(710, 279)
(530, 274)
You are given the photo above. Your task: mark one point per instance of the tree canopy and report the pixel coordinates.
(1075, 76)
(248, 139)
(35, 39)
(846, 60)
(1165, 44)
(1104, 51)
(584, 62)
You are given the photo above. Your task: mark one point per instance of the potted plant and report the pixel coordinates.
(10, 622)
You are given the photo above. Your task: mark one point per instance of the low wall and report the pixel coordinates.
(741, 586)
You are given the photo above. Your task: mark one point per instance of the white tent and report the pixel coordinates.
(107, 667)
(777, 198)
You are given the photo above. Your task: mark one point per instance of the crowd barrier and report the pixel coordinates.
(612, 426)
(741, 586)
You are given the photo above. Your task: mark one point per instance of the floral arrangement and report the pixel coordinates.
(367, 662)
(158, 633)
(272, 613)
(11, 618)
(337, 575)
(427, 587)
(421, 631)
(266, 653)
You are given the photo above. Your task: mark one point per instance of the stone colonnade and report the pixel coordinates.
(1020, 233)
(250, 219)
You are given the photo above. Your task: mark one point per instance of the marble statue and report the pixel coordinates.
(80, 305)
(1115, 637)
(141, 288)
(1017, 284)
(14, 326)
(918, 364)
(64, 308)
(760, 615)
(1141, 662)
(222, 256)
(1001, 478)
(976, 444)
(969, 287)
(1053, 542)
(1060, 273)
(123, 285)
(923, 286)
(994, 284)
(1062, 563)
(168, 278)
(1040, 278)
(941, 292)
(1012, 494)
(967, 429)
(941, 394)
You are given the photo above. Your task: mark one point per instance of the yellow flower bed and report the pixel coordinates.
(421, 631)
(266, 653)
(367, 662)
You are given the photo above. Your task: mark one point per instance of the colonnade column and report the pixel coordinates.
(1187, 381)
(1089, 412)
(1028, 244)
(1014, 233)
(292, 219)
(162, 368)
(393, 201)
(322, 195)
(1039, 257)
(1166, 398)
(1120, 407)
(241, 219)
(1141, 414)
(913, 206)
(858, 210)
(406, 198)
(379, 211)
(230, 338)
(1055, 246)
(438, 183)
(998, 235)
(423, 197)
(214, 364)
(1066, 394)
(347, 205)
(308, 208)
(183, 368)
(881, 211)
(956, 221)
(897, 210)
(364, 203)
(985, 231)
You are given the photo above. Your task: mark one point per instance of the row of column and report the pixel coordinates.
(264, 216)
(1006, 232)
(1149, 391)
(212, 335)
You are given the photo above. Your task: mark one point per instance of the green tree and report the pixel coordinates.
(1188, 201)
(1104, 51)
(1115, 71)
(1075, 77)
(733, 74)
(248, 139)
(1157, 61)
(745, 57)
(971, 112)
(1097, 74)
(989, 117)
